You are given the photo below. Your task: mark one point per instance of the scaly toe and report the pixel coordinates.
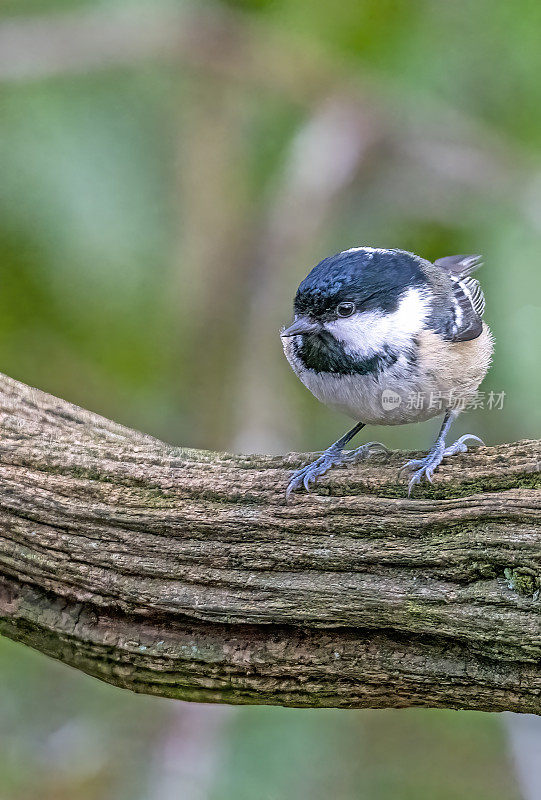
(308, 475)
(460, 447)
(300, 479)
(364, 451)
(311, 472)
(308, 479)
(415, 479)
(426, 472)
(429, 474)
(413, 464)
(422, 468)
(295, 483)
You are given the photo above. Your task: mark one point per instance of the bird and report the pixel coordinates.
(389, 338)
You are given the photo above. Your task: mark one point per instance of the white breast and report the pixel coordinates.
(386, 397)
(389, 398)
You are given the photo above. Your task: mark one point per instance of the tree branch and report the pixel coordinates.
(185, 574)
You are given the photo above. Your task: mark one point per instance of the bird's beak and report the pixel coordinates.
(301, 325)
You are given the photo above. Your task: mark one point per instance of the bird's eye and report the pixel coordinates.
(345, 309)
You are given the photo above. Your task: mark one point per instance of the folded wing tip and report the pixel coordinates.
(460, 265)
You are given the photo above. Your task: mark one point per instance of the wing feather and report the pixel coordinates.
(461, 266)
(468, 300)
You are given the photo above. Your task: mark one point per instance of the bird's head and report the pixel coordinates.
(359, 302)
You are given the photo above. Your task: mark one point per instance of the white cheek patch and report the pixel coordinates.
(366, 333)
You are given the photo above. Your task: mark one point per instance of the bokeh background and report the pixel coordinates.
(169, 173)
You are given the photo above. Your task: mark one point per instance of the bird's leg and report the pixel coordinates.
(334, 455)
(425, 467)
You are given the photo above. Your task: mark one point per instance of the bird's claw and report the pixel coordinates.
(425, 467)
(363, 452)
(460, 447)
(308, 475)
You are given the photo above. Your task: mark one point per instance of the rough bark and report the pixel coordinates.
(185, 574)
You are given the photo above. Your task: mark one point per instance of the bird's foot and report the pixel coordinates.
(333, 456)
(425, 467)
(460, 447)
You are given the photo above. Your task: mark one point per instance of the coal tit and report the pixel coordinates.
(388, 338)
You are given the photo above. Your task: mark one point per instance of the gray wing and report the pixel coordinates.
(467, 296)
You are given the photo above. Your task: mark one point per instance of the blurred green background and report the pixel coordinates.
(169, 173)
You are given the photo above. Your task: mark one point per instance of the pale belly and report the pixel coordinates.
(444, 375)
(383, 400)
